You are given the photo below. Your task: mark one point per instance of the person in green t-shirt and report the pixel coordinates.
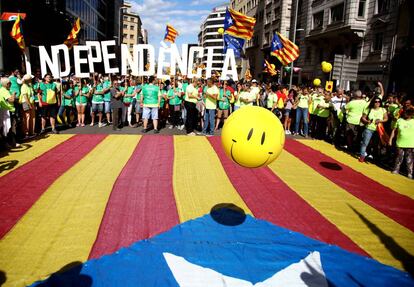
(404, 130)
(151, 98)
(317, 97)
(50, 102)
(82, 93)
(16, 83)
(174, 97)
(353, 113)
(223, 104)
(98, 103)
(371, 117)
(130, 93)
(68, 105)
(302, 102)
(107, 98)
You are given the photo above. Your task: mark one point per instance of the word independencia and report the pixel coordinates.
(94, 52)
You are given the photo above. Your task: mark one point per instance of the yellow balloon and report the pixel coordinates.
(253, 136)
(316, 82)
(326, 67)
(220, 30)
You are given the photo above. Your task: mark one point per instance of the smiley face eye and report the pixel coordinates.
(250, 134)
(263, 137)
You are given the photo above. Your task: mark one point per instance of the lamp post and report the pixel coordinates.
(119, 23)
(294, 39)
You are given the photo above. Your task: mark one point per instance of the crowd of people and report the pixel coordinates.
(372, 125)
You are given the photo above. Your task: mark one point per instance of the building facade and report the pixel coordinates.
(131, 28)
(99, 21)
(363, 30)
(209, 37)
(271, 16)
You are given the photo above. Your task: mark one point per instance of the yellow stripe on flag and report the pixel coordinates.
(398, 183)
(200, 181)
(374, 232)
(62, 225)
(30, 151)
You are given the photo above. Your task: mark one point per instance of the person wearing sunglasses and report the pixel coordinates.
(372, 116)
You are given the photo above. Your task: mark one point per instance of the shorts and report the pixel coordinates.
(287, 112)
(49, 111)
(107, 107)
(81, 104)
(147, 111)
(138, 108)
(97, 108)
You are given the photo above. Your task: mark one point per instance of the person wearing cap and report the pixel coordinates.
(27, 101)
(255, 91)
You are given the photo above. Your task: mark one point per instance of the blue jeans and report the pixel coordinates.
(302, 113)
(209, 117)
(366, 138)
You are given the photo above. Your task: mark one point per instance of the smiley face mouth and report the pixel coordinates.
(232, 157)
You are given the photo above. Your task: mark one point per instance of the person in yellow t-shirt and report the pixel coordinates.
(371, 117)
(27, 101)
(404, 129)
(211, 94)
(302, 102)
(255, 91)
(192, 95)
(246, 97)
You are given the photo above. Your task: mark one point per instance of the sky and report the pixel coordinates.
(184, 16)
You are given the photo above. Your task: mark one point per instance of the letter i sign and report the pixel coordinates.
(329, 86)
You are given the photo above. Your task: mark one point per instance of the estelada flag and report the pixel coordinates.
(73, 35)
(285, 50)
(269, 69)
(11, 16)
(382, 134)
(170, 34)
(238, 24)
(17, 33)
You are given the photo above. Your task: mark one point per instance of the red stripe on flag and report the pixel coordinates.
(269, 198)
(398, 207)
(142, 202)
(26, 184)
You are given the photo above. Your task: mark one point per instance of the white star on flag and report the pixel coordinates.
(307, 272)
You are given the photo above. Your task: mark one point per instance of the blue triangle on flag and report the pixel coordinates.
(216, 249)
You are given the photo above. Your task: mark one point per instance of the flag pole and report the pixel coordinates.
(294, 39)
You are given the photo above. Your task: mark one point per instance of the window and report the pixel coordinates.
(361, 8)
(377, 44)
(131, 46)
(125, 26)
(132, 27)
(337, 13)
(318, 20)
(381, 6)
(131, 36)
(125, 18)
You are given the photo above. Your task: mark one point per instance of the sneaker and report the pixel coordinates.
(361, 158)
(181, 127)
(78, 124)
(156, 131)
(54, 131)
(410, 176)
(82, 125)
(191, 134)
(92, 124)
(171, 127)
(42, 131)
(287, 132)
(145, 131)
(201, 133)
(395, 172)
(100, 125)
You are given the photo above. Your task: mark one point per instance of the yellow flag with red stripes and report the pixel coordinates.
(73, 35)
(238, 24)
(170, 34)
(17, 33)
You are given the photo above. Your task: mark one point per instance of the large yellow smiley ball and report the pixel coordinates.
(253, 136)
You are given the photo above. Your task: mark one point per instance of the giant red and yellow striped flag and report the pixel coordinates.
(170, 34)
(269, 69)
(73, 35)
(110, 191)
(17, 33)
(285, 50)
(239, 25)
